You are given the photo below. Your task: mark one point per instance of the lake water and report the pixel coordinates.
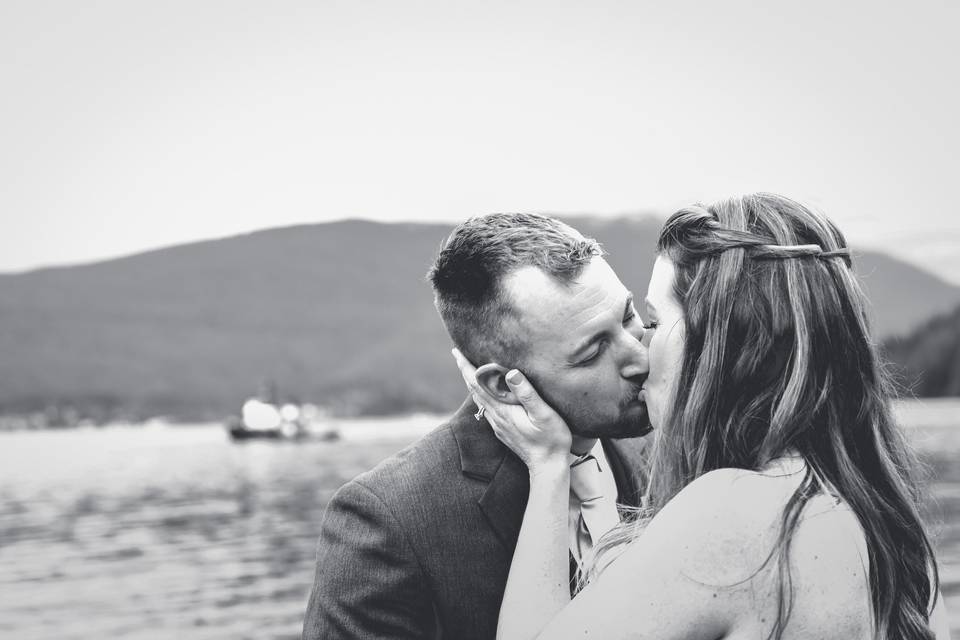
(176, 532)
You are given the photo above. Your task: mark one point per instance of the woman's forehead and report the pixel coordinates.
(660, 289)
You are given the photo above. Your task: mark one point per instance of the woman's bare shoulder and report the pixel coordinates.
(677, 578)
(723, 530)
(719, 538)
(706, 567)
(721, 527)
(728, 521)
(830, 564)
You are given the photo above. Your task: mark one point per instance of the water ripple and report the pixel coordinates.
(176, 532)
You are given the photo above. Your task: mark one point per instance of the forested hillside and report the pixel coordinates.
(337, 313)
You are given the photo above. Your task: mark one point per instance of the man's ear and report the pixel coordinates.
(491, 377)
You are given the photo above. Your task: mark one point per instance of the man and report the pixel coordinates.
(420, 547)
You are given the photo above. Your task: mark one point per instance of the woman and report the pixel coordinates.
(781, 503)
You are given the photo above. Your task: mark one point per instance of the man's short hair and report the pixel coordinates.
(469, 272)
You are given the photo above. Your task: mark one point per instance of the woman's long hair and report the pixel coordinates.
(778, 360)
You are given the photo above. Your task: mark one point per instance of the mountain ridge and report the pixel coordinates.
(927, 361)
(339, 313)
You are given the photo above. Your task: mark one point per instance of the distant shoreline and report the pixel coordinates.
(910, 413)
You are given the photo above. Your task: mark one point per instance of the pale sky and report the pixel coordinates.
(131, 125)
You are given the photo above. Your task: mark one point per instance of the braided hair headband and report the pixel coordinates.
(703, 234)
(779, 252)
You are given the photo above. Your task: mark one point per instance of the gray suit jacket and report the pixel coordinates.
(420, 546)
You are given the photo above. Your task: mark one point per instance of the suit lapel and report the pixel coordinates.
(484, 458)
(505, 500)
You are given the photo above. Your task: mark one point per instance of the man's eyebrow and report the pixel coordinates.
(603, 332)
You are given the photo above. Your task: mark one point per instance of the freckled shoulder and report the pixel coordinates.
(703, 568)
(830, 571)
(723, 525)
(689, 574)
(721, 531)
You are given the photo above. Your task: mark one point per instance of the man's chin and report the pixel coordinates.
(633, 422)
(633, 430)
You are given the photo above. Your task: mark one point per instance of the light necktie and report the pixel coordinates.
(598, 513)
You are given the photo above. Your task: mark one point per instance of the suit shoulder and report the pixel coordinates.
(423, 462)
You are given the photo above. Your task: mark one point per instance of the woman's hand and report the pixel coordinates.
(531, 429)
(538, 586)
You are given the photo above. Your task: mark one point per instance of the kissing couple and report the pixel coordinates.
(775, 496)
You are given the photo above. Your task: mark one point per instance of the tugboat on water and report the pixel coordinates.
(263, 417)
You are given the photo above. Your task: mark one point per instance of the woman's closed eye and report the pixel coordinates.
(650, 325)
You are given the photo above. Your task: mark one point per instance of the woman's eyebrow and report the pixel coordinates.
(628, 305)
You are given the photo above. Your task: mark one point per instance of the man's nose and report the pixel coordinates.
(635, 362)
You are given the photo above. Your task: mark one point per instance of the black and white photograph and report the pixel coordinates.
(452, 320)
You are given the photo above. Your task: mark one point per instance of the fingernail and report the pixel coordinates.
(514, 377)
